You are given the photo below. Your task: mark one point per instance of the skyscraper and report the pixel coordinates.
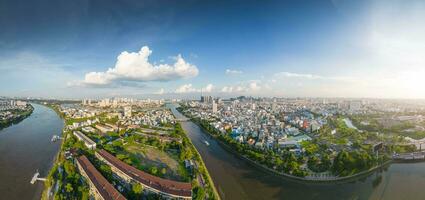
(214, 107)
(127, 111)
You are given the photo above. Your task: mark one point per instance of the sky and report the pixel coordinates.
(182, 49)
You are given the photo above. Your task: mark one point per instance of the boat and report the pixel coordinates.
(207, 143)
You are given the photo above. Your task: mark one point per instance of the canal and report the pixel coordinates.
(235, 178)
(25, 148)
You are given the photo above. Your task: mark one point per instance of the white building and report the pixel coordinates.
(21, 103)
(87, 141)
(127, 111)
(214, 107)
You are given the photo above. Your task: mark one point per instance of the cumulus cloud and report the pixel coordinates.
(232, 89)
(253, 86)
(208, 88)
(160, 91)
(188, 88)
(232, 72)
(135, 66)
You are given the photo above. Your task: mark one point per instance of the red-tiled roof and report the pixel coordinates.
(164, 185)
(106, 190)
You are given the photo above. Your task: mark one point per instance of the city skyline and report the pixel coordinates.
(353, 49)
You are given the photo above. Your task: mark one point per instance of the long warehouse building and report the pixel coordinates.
(164, 187)
(100, 188)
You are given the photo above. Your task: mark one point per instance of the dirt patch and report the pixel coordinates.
(152, 157)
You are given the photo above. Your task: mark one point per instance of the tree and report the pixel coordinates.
(69, 168)
(137, 189)
(199, 193)
(68, 188)
(348, 163)
(154, 170)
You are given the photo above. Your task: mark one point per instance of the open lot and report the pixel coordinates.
(151, 157)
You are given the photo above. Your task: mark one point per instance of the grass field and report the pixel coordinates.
(152, 157)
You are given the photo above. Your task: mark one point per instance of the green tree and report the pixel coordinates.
(154, 170)
(199, 193)
(69, 188)
(137, 189)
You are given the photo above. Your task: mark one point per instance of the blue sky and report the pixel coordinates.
(336, 48)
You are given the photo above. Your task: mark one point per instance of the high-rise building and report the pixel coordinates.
(127, 111)
(219, 101)
(273, 106)
(253, 106)
(214, 107)
(86, 102)
(206, 99)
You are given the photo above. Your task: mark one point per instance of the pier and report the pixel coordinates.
(56, 138)
(406, 157)
(36, 178)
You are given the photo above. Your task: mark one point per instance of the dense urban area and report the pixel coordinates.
(122, 148)
(13, 111)
(314, 139)
(125, 149)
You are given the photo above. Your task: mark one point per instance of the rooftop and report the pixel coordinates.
(106, 190)
(164, 185)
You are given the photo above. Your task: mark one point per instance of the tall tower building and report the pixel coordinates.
(127, 111)
(214, 107)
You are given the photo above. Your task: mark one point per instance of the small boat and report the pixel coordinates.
(207, 143)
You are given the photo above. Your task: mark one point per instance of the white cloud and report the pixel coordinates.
(208, 88)
(188, 88)
(254, 86)
(160, 91)
(311, 77)
(135, 66)
(232, 72)
(296, 75)
(251, 87)
(233, 89)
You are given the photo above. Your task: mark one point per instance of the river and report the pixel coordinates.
(235, 178)
(24, 148)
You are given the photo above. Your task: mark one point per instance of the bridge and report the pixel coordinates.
(36, 178)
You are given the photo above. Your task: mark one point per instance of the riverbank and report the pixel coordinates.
(26, 148)
(22, 115)
(299, 178)
(206, 172)
(49, 183)
(333, 179)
